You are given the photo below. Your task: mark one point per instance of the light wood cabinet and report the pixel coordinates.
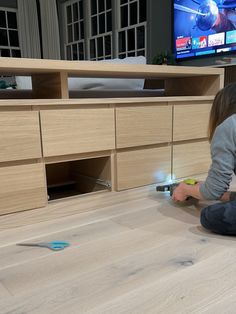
(191, 159)
(143, 125)
(190, 121)
(22, 187)
(143, 166)
(19, 136)
(53, 145)
(76, 131)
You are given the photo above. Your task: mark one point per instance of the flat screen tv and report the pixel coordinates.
(204, 28)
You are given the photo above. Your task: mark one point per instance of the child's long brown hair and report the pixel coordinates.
(224, 105)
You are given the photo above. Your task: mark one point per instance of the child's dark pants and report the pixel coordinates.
(220, 218)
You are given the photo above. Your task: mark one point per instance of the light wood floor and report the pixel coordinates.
(131, 252)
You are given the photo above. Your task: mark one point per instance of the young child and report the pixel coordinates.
(220, 217)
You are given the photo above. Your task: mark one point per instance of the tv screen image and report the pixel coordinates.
(202, 28)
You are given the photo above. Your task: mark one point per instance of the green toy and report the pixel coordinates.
(170, 187)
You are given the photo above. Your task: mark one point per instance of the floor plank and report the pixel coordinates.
(131, 252)
(182, 292)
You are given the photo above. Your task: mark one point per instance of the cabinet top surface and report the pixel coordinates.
(105, 101)
(100, 69)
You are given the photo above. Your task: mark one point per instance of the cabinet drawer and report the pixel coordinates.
(191, 159)
(19, 136)
(77, 131)
(142, 167)
(190, 121)
(22, 187)
(143, 125)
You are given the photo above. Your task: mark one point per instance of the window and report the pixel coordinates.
(74, 45)
(100, 39)
(9, 38)
(132, 28)
(104, 29)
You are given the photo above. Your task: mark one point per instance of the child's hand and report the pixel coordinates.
(179, 194)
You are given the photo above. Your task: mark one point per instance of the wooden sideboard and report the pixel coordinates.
(52, 146)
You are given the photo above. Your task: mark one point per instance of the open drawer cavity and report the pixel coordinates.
(78, 177)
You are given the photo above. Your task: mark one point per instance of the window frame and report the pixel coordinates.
(10, 47)
(116, 29)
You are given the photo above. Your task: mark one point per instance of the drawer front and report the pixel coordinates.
(19, 135)
(72, 131)
(190, 121)
(22, 187)
(142, 167)
(191, 159)
(143, 125)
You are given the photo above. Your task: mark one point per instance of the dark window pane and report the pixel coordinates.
(141, 53)
(81, 30)
(102, 23)
(101, 5)
(81, 51)
(107, 45)
(70, 33)
(92, 49)
(109, 21)
(11, 19)
(107, 57)
(14, 41)
(76, 31)
(131, 54)
(108, 4)
(122, 44)
(69, 14)
(16, 53)
(94, 6)
(123, 1)
(81, 10)
(133, 12)
(122, 56)
(142, 11)
(75, 12)
(3, 19)
(124, 16)
(68, 53)
(131, 39)
(140, 37)
(94, 26)
(5, 52)
(3, 37)
(100, 46)
(74, 51)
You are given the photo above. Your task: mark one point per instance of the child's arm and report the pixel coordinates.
(183, 191)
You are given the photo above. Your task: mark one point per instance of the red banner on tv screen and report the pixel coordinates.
(183, 43)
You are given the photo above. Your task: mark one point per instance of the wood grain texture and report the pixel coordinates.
(143, 125)
(20, 136)
(101, 69)
(22, 187)
(201, 85)
(190, 121)
(141, 253)
(143, 166)
(191, 159)
(42, 103)
(77, 131)
(50, 85)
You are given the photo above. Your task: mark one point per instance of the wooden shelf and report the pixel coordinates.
(59, 146)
